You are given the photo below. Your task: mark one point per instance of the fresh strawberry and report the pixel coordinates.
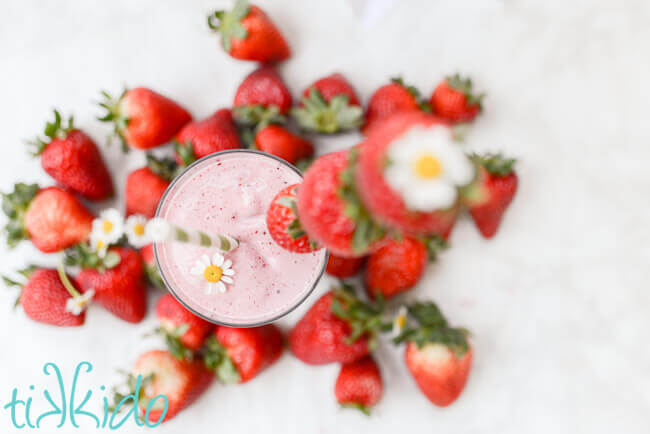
(184, 332)
(51, 218)
(337, 328)
(146, 186)
(382, 201)
(343, 267)
(330, 210)
(389, 99)
(359, 385)
(438, 356)
(488, 197)
(262, 98)
(150, 267)
(329, 105)
(161, 374)
(395, 267)
(278, 141)
(44, 298)
(453, 99)
(200, 138)
(237, 355)
(119, 284)
(72, 158)
(247, 33)
(283, 223)
(144, 119)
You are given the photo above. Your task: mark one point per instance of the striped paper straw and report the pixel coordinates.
(160, 230)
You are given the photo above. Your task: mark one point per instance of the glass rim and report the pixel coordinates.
(166, 282)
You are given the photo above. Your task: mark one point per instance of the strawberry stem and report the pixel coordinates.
(66, 282)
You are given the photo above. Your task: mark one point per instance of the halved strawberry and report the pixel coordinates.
(488, 197)
(283, 224)
(51, 218)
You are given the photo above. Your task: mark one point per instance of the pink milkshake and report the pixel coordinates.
(229, 193)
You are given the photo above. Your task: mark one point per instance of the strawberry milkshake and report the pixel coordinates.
(257, 282)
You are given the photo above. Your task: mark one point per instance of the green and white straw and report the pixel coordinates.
(160, 230)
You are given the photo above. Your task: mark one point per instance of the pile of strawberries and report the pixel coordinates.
(346, 203)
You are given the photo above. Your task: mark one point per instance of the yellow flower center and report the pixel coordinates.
(427, 166)
(100, 245)
(107, 226)
(138, 229)
(212, 273)
(401, 320)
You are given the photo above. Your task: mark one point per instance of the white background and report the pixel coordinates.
(557, 302)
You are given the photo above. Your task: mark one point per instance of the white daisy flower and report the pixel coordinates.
(216, 273)
(399, 322)
(110, 224)
(98, 243)
(77, 304)
(135, 230)
(426, 168)
(157, 230)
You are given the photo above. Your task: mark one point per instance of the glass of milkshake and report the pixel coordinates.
(258, 282)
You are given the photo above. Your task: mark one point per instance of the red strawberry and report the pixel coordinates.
(119, 285)
(44, 297)
(395, 267)
(438, 356)
(262, 97)
(329, 105)
(240, 354)
(381, 200)
(200, 138)
(389, 99)
(180, 381)
(72, 158)
(453, 100)
(330, 211)
(51, 218)
(184, 332)
(343, 267)
(150, 267)
(247, 33)
(490, 194)
(144, 119)
(282, 143)
(337, 328)
(146, 186)
(283, 223)
(359, 385)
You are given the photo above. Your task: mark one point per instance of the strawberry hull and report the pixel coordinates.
(379, 198)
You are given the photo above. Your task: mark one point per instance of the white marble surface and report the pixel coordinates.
(557, 302)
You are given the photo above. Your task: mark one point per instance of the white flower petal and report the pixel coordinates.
(157, 230)
(217, 259)
(229, 272)
(221, 287)
(226, 279)
(209, 288)
(197, 270)
(205, 259)
(226, 264)
(435, 195)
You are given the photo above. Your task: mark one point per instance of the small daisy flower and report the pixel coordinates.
(426, 168)
(399, 322)
(98, 243)
(77, 304)
(216, 272)
(157, 230)
(110, 224)
(135, 231)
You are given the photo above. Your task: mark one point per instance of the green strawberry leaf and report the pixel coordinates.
(318, 115)
(215, 358)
